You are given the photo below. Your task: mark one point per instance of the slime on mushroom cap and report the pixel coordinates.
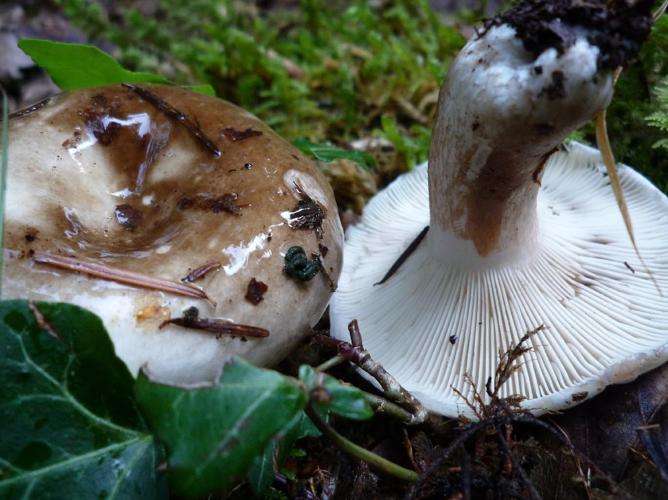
(140, 207)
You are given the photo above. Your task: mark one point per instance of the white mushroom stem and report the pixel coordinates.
(503, 113)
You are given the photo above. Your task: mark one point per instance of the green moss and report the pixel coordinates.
(324, 72)
(333, 71)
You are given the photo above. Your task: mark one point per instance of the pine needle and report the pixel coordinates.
(603, 142)
(109, 273)
(609, 160)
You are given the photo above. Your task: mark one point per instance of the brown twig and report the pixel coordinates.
(30, 109)
(234, 135)
(356, 354)
(191, 319)
(508, 465)
(403, 405)
(382, 405)
(201, 272)
(355, 334)
(177, 115)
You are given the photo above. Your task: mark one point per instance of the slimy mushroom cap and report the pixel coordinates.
(171, 185)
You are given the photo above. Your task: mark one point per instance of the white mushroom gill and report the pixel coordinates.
(520, 236)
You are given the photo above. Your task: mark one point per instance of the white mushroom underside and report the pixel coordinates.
(604, 322)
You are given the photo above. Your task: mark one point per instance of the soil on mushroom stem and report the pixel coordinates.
(612, 26)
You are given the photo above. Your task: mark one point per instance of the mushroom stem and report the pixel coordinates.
(503, 112)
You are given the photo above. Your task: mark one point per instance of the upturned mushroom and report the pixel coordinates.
(523, 234)
(176, 218)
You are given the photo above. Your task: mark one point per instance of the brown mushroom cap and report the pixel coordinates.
(114, 176)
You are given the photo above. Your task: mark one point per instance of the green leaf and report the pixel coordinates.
(327, 153)
(213, 434)
(76, 66)
(263, 469)
(203, 88)
(70, 425)
(265, 466)
(328, 394)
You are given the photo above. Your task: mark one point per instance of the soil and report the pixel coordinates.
(618, 28)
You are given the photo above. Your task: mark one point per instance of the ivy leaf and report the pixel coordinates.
(77, 66)
(213, 434)
(70, 425)
(327, 153)
(328, 394)
(265, 466)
